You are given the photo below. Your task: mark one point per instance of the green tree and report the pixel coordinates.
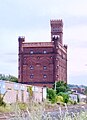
(13, 78)
(8, 78)
(61, 86)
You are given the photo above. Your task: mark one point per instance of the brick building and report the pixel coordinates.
(43, 63)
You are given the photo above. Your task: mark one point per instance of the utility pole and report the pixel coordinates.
(55, 85)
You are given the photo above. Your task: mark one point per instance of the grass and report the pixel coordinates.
(36, 111)
(5, 109)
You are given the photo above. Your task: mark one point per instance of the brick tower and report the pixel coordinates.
(60, 57)
(57, 30)
(43, 63)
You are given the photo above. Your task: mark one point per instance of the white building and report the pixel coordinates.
(19, 92)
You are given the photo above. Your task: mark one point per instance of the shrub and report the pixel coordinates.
(70, 102)
(65, 97)
(22, 106)
(51, 95)
(75, 102)
(29, 89)
(59, 99)
(7, 108)
(2, 103)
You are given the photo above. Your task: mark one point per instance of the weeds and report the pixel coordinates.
(37, 111)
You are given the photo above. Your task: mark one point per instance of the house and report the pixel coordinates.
(78, 97)
(73, 97)
(78, 89)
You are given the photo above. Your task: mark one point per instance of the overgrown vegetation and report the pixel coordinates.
(59, 93)
(51, 95)
(61, 86)
(65, 96)
(2, 103)
(22, 106)
(39, 111)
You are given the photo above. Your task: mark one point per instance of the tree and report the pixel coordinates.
(61, 90)
(13, 78)
(61, 86)
(8, 78)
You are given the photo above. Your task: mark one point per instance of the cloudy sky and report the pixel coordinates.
(31, 18)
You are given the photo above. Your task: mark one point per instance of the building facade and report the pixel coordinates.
(43, 63)
(17, 92)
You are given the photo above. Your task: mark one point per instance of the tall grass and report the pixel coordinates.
(39, 111)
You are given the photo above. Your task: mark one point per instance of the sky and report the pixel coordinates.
(31, 18)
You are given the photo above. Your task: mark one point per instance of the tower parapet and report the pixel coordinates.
(65, 46)
(21, 40)
(20, 70)
(56, 21)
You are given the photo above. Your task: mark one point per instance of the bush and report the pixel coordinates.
(2, 103)
(70, 102)
(51, 95)
(29, 89)
(75, 102)
(59, 99)
(22, 106)
(65, 97)
(7, 108)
